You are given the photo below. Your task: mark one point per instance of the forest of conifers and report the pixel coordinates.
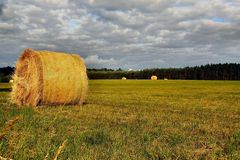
(227, 71)
(207, 72)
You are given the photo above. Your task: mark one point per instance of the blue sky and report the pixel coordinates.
(128, 34)
(218, 19)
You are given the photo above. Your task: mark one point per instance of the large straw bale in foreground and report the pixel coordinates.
(153, 77)
(49, 78)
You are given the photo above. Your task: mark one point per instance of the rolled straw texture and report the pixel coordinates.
(49, 78)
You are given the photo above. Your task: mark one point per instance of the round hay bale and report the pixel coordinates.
(124, 78)
(11, 81)
(165, 79)
(153, 77)
(49, 78)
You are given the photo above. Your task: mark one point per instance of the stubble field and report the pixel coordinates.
(132, 119)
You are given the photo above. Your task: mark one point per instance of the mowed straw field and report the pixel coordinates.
(132, 119)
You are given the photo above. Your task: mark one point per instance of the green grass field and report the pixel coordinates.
(133, 119)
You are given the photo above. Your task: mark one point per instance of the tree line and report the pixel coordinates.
(227, 71)
(6, 73)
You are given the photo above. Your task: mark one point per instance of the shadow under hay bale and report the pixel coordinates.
(49, 78)
(5, 89)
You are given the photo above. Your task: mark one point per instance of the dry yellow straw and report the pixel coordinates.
(9, 126)
(2, 158)
(59, 150)
(49, 78)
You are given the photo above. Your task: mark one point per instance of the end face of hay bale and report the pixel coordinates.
(28, 80)
(49, 78)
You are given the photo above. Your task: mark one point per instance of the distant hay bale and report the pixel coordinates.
(165, 79)
(49, 78)
(11, 81)
(153, 77)
(124, 78)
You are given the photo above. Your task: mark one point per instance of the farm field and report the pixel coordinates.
(132, 119)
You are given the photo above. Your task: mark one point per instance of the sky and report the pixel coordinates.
(127, 34)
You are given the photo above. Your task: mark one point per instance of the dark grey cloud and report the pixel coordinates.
(2, 5)
(128, 33)
(1, 9)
